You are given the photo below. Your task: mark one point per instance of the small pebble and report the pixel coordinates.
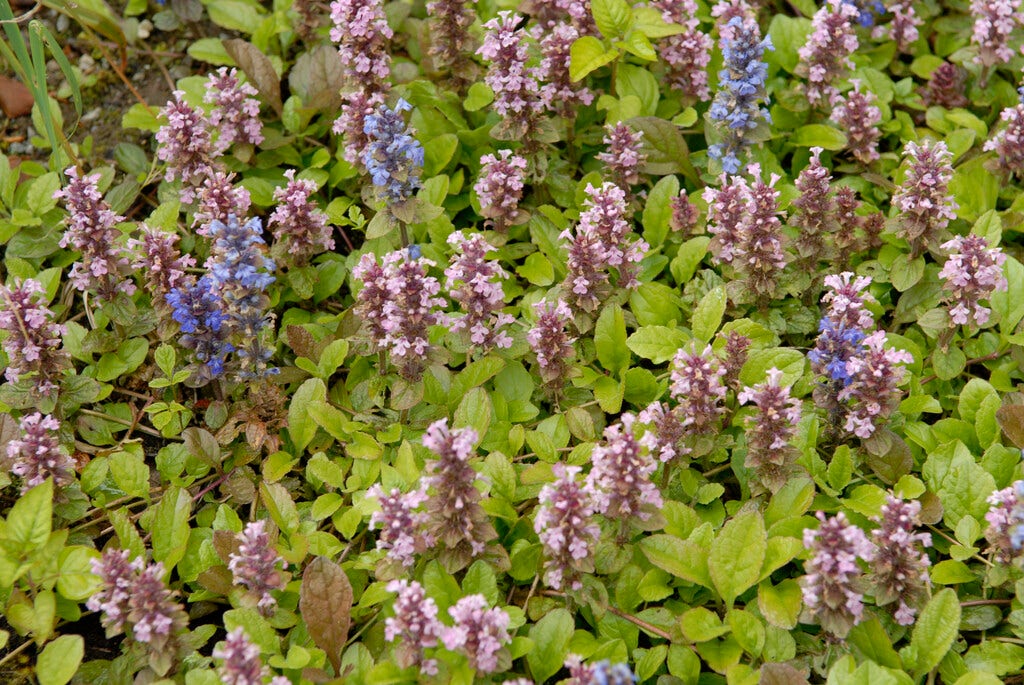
(145, 29)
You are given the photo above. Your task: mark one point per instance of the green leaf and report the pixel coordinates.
(60, 659)
(999, 658)
(787, 360)
(780, 604)
(30, 520)
(588, 54)
(301, 424)
(1009, 304)
(658, 210)
(700, 625)
(787, 34)
(737, 554)
(666, 150)
(235, 15)
(475, 410)
(935, 630)
(612, 17)
(870, 641)
(819, 135)
(550, 635)
(682, 558)
(479, 96)
(610, 340)
(707, 316)
(280, 505)
(657, 343)
(639, 82)
(170, 527)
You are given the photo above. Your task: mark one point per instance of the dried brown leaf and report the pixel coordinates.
(259, 69)
(325, 603)
(1011, 420)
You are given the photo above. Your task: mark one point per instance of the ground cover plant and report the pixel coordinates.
(553, 341)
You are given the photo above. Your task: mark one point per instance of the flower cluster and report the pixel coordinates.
(449, 34)
(1008, 142)
(945, 87)
(550, 342)
(603, 672)
(623, 155)
(479, 632)
(361, 32)
(684, 213)
(158, 259)
(1005, 518)
(217, 198)
(858, 116)
(565, 527)
(401, 526)
(500, 188)
(994, 22)
(257, 566)
(33, 341)
(199, 308)
(903, 27)
(398, 303)
(745, 220)
(550, 13)
(236, 113)
(297, 223)
(831, 588)
(454, 515)
(415, 624)
(971, 274)
(558, 92)
(241, 661)
(771, 430)
(741, 85)
(664, 432)
(475, 283)
(185, 144)
(91, 230)
(134, 600)
(825, 57)
(37, 455)
(697, 387)
(833, 349)
(899, 568)
(847, 301)
(600, 241)
(393, 156)
(241, 273)
(517, 97)
(815, 214)
(923, 200)
(686, 55)
(872, 391)
(620, 480)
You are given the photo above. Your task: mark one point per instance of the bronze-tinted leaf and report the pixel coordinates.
(225, 543)
(1011, 420)
(781, 674)
(325, 602)
(317, 78)
(258, 68)
(888, 456)
(201, 444)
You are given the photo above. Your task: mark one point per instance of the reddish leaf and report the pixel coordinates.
(325, 602)
(1011, 420)
(258, 68)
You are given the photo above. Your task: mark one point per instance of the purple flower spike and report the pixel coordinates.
(564, 523)
(858, 116)
(454, 515)
(37, 454)
(91, 230)
(236, 111)
(475, 283)
(1004, 517)
(400, 524)
(33, 341)
(900, 567)
(971, 274)
(479, 633)
(698, 388)
(241, 660)
(872, 392)
(771, 430)
(257, 566)
(500, 188)
(160, 261)
(363, 37)
(620, 480)
(1008, 143)
(994, 23)
(185, 145)
(825, 57)
(550, 341)
(624, 155)
(415, 624)
(831, 588)
(297, 222)
(923, 200)
(687, 54)
(517, 95)
(558, 92)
